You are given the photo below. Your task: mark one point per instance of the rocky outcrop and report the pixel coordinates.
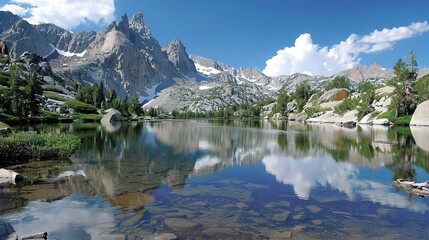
(3, 48)
(177, 54)
(36, 62)
(349, 119)
(421, 115)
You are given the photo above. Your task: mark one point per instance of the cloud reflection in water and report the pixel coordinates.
(309, 172)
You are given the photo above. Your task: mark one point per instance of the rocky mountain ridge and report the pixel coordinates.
(125, 55)
(127, 58)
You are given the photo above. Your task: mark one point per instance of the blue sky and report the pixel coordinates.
(249, 33)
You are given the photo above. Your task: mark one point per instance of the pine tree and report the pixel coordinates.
(404, 99)
(33, 94)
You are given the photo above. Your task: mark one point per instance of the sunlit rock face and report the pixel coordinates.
(421, 115)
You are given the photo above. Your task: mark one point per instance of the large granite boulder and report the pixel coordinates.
(348, 119)
(367, 119)
(336, 94)
(112, 115)
(421, 115)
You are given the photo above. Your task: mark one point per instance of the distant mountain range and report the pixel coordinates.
(127, 58)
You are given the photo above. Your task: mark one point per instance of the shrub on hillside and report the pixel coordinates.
(81, 107)
(13, 151)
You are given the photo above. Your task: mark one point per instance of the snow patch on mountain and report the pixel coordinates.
(204, 87)
(64, 53)
(151, 94)
(206, 70)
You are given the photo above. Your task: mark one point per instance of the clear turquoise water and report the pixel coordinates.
(230, 180)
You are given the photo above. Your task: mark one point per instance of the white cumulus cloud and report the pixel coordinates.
(64, 13)
(15, 9)
(310, 58)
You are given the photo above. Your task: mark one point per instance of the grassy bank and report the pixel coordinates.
(3, 125)
(23, 147)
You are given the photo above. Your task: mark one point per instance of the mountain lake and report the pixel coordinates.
(201, 179)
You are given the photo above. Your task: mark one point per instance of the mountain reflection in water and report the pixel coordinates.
(232, 179)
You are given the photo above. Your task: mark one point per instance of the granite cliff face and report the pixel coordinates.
(124, 56)
(366, 72)
(176, 53)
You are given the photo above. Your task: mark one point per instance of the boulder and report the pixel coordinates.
(291, 106)
(421, 115)
(349, 119)
(336, 94)
(301, 117)
(330, 104)
(8, 176)
(381, 121)
(112, 115)
(367, 119)
(385, 90)
(5, 131)
(291, 116)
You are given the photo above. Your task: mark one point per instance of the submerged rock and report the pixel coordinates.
(166, 236)
(179, 223)
(7, 231)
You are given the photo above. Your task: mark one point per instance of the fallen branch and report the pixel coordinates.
(37, 236)
(421, 189)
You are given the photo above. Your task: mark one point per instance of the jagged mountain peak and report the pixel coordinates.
(177, 54)
(123, 25)
(137, 21)
(138, 17)
(176, 41)
(177, 46)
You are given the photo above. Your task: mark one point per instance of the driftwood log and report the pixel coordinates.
(421, 189)
(43, 235)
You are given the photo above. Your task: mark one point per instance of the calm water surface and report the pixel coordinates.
(230, 180)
